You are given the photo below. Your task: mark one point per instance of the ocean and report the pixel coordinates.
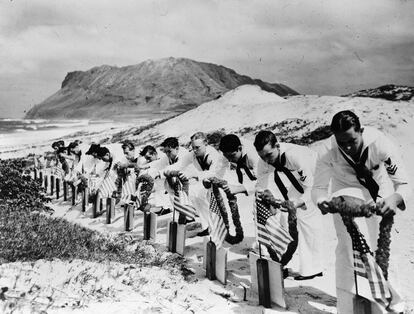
(25, 133)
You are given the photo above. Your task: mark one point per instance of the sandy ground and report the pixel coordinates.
(231, 113)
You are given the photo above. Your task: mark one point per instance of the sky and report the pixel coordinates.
(328, 47)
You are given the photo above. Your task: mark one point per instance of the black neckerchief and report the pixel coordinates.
(203, 162)
(280, 167)
(363, 174)
(243, 163)
(173, 161)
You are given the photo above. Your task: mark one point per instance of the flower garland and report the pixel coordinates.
(234, 209)
(350, 207)
(270, 200)
(145, 191)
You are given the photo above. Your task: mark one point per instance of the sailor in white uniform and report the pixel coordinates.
(243, 159)
(364, 158)
(203, 162)
(292, 168)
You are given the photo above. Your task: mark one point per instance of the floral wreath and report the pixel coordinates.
(145, 190)
(285, 206)
(350, 208)
(216, 184)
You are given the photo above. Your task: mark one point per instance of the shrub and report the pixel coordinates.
(28, 233)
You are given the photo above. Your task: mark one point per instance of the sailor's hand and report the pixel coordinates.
(234, 189)
(182, 176)
(323, 205)
(227, 189)
(206, 183)
(298, 203)
(387, 207)
(265, 196)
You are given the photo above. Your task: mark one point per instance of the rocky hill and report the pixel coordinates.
(389, 92)
(154, 86)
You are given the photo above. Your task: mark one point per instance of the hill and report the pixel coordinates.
(155, 86)
(389, 92)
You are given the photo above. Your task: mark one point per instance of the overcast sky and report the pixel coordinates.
(329, 47)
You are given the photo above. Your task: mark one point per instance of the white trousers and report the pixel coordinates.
(309, 249)
(159, 197)
(200, 198)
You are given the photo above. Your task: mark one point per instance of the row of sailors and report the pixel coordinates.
(289, 171)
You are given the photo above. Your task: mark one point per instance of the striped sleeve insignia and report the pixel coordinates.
(391, 168)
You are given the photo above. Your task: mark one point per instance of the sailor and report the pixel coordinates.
(359, 157)
(292, 168)
(203, 162)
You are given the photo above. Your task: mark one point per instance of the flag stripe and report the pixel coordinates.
(128, 188)
(269, 230)
(217, 227)
(366, 267)
(108, 186)
(181, 204)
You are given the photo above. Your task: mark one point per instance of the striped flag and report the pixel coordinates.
(269, 230)
(138, 197)
(108, 186)
(57, 171)
(218, 228)
(359, 266)
(128, 188)
(365, 266)
(181, 203)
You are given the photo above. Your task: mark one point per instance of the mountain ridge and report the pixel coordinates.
(166, 85)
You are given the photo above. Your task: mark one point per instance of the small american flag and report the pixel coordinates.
(108, 186)
(58, 172)
(128, 188)
(365, 266)
(218, 228)
(181, 203)
(269, 230)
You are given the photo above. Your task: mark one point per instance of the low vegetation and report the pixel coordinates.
(28, 233)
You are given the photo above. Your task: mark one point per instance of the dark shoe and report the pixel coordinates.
(164, 211)
(308, 277)
(285, 273)
(183, 220)
(203, 233)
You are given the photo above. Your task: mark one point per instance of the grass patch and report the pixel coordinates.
(28, 233)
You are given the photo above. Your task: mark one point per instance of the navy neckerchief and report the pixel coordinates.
(244, 163)
(363, 174)
(280, 167)
(203, 162)
(173, 161)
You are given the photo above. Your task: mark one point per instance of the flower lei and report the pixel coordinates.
(234, 209)
(145, 191)
(276, 204)
(349, 207)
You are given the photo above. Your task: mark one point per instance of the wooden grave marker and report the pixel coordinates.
(220, 261)
(153, 226)
(275, 276)
(110, 209)
(57, 188)
(172, 236)
(85, 199)
(52, 184)
(128, 217)
(65, 191)
(181, 234)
